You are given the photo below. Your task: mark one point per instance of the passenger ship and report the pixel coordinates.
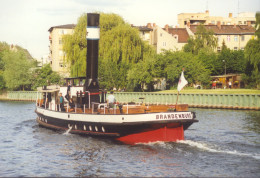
(129, 123)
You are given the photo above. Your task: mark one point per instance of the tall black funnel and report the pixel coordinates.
(93, 34)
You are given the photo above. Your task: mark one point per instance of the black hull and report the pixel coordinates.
(109, 129)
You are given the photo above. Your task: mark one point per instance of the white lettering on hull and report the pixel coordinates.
(174, 116)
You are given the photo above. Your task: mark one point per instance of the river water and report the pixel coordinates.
(222, 143)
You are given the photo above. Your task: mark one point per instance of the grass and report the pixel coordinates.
(213, 91)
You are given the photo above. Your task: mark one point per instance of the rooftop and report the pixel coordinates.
(227, 29)
(181, 32)
(67, 26)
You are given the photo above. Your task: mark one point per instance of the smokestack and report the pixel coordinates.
(93, 33)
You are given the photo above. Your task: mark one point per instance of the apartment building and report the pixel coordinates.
(166, 38)
(234, 36)
(169, 38)
(244, 18)
(56, 55)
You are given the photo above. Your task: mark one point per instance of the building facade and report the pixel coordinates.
(245, 18)
(166, 38)
(57, 55)
(235, 37)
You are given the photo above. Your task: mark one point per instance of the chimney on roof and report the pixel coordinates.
(166, 27)
(219, 25)
(249, 23)
(235, 25)
(207, 11)
(154, 24)
(149, 25)
(230, 15)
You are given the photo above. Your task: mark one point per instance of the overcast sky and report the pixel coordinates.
(26, 22)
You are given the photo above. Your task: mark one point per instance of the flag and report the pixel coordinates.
(182, 82)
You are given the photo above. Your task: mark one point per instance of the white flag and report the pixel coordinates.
(182, 82)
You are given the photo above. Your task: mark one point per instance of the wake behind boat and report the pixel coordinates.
(84, 109)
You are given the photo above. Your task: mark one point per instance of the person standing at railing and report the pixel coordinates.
(61, 102)
(111, 100)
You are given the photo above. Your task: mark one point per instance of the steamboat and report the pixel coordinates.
(80, 107)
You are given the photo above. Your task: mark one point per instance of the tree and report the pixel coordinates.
(252, 54)
(202, 39)
(17, 73)
(210, 61)
(75, 50)
(120, 48)
(257, 25)
(45, 76)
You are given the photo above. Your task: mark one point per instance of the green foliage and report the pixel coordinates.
(75, 50)
(210, 61)
(195, 72)
(143, 73)
(120, 48)
(17, 73)
(203, 39)
(45, 76)
(2, 81)
(257, 25)
(234, 60)
(252, 54)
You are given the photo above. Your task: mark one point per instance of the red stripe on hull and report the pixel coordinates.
(164, 134)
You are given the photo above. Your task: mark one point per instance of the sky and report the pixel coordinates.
(26, 22)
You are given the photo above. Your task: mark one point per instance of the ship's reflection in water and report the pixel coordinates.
(223, 143)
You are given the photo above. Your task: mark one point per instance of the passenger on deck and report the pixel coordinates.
(62, 102)
(68, 91)
(111, 100)
(71, 103)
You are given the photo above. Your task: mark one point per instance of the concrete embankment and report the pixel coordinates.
(222, 101)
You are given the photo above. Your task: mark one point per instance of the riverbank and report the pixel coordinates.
(222, 99)
(213, 91)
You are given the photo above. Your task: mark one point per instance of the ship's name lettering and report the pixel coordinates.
(174, 116)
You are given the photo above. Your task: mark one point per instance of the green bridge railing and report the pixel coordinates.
(229, 101)
(22, 95)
